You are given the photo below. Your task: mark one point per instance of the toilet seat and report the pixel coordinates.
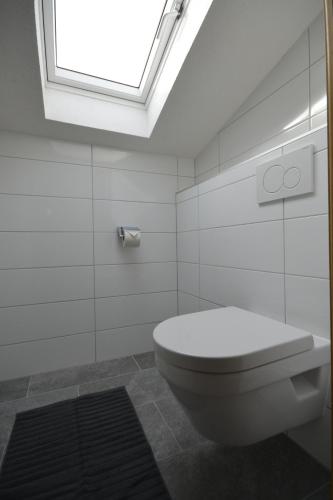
(227, 340)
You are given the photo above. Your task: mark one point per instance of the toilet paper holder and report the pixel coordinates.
(130, 236)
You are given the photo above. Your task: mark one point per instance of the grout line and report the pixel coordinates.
(41, 339)
(28, 388)
(168, 426)
(93, 249)
(135, 361)
(88, 298)
(145, 172)
(255, 222)
(88, 265)
(284, 262)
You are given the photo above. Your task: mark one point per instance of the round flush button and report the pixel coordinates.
(292, 177)
(273, 178)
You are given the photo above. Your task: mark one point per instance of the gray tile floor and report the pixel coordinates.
(193, 468)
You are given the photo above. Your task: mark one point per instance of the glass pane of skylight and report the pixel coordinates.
(109, 39)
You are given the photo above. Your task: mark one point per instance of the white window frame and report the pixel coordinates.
(85, 108)
(169, 21)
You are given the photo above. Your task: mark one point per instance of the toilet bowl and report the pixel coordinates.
(242, 377)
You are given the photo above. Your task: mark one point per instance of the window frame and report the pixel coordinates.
(85, 82)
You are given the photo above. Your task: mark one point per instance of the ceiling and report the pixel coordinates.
(239, 42)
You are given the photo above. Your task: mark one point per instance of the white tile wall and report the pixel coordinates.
(154, 247)
(60, 205)
(150, 217)
(126, 279)
(271, 259)
(259, 292)
(134, 186)
(45, 249)
(31, 177)
(269, 118)
(188, 278)
(18, 360)
(43, 321)
(114, 312)
(306, 246)
(288, 101)
(308, 305)
(120, 341)
(317, 39)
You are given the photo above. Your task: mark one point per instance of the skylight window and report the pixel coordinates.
(110, 46)
(111, 64)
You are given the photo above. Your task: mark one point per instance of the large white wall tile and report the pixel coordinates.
(121, 342)
(186, 167)
(306, 246)
(131, 160)
(255, 291)
(43, 148)
(29, 177)
(308, 304)
(292, 63)
(187, 304)
(42, 321)
(317, 39)
(134, 186)
(315, 138)
(154, 247)
(115, 312)
(28, 358)
(187, 215)
(149, 217)
(318, 96)
(235, 204)
(316, 202)
(32, 286)
(38, 213)
(188, 278)
(315, 438)
(188, 246)
(135, 278)
(45, 249)
(250, 246)
(208, 158)
(269, 118)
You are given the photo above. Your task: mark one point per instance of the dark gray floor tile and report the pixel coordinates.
(323, 493)
(158, 434)
(145, 360)
(11, 407)
(272, 470)
(80, 374)
(142, 386)
(176, 419)
(13, 389)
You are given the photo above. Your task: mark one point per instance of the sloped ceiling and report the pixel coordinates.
(239, 42)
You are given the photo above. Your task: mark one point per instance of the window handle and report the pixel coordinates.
(174, 14)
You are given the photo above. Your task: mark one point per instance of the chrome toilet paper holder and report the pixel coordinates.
(130, 236)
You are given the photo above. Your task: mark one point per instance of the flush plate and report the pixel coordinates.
(286, 176)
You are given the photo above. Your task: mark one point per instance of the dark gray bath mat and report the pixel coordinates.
(88, 448)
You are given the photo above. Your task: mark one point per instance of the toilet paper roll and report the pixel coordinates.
(130, 236)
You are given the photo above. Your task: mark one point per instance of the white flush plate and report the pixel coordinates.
(286, 176)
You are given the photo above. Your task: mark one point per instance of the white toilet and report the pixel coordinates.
(242, 377)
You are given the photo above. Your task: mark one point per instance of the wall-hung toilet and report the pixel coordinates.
(242, 377)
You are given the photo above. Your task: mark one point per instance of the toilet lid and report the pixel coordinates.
(227, 340)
